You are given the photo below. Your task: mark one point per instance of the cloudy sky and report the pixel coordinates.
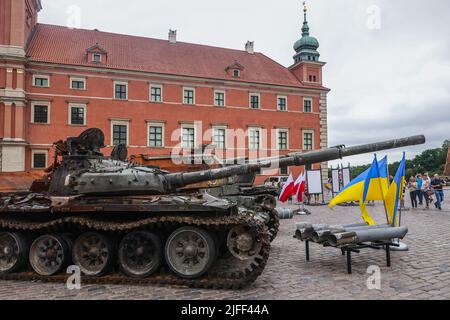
(388, 61)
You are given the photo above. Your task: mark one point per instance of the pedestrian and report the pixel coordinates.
(419, 189)
(437, 184)
(412, 188)
(425, 189)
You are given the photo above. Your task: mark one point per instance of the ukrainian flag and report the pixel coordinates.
(395, 192)
(367, 185)
(377, 185)
(372, 184)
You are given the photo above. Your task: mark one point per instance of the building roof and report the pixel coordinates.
(50, 44)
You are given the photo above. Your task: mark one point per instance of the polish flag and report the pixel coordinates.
(287, 190)
(299, 187)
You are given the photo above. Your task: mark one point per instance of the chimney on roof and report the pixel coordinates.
(250, 47)
(172, 36)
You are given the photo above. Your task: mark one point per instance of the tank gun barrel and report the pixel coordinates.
(177, 180)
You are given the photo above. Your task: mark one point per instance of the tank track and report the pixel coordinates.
(273, 225)
(227, 272)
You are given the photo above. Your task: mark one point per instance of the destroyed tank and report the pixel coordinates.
(123, 223)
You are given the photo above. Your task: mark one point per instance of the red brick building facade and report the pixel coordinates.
(151, 94)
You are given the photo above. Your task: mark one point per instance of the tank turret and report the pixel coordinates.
(85, 171)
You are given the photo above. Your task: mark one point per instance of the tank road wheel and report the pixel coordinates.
(13, 251)
(93, 252)
(242, 243)
(140, 254)
(190, 252)
(49, 254)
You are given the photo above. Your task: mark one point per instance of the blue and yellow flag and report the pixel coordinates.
(358, 188)
(395, 192)
(377, 184)
(372, 184)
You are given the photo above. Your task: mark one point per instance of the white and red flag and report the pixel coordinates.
(299, 187)
(287, 190)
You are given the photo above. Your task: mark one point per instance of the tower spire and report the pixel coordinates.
(306, 47)
(305, 29)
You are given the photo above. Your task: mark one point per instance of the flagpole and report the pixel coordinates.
(381, 189)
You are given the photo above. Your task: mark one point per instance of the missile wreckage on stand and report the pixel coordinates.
(124, 223)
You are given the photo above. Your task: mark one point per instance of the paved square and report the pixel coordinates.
(421, 273)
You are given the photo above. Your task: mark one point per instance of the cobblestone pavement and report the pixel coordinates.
(421, 273)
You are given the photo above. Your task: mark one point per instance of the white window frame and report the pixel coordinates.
(303, 139)
(188, 126)
(278, 139)
(77, 105)
(224, 98)
(184, 91)
(96, 54)
(250, 100)
(44, 76)
(160, 86)
(120, 123)
(304, 104)
(39, 151)
(77, 79)
(156, 124)
(114, 89)
(238, 73)
(250, 129)
(41, 103)
(225, 138)
(278, 102)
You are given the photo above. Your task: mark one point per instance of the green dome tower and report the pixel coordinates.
(306, 47)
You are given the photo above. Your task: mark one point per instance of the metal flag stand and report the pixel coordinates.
(401, 245)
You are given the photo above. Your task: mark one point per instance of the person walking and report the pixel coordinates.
(419, 189)
(438, 184)
(412, 188)
(425, 189)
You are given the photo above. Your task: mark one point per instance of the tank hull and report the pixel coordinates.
(117, 217)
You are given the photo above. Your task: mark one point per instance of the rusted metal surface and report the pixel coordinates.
(226, 273)
(18, 181)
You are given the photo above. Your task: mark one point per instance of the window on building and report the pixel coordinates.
(307, 105)
(188, 137)
(120, 134)
(156, 93)
(39, 159)
(97, 57)
(189, 96)
(40, 114)
(282, 103)
(120, 91)
(41, 81)
(236, 73)
(308, 141)
(219, 138)
(219, 98)
(312, 78)
(77, 115)
(282, 140)
(254, 139)
(254, 101)
(156, 136)
(284, 171)
(78, 84)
